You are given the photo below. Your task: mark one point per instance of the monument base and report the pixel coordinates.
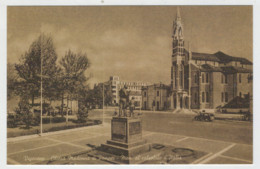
(126, 139)
(127, 150)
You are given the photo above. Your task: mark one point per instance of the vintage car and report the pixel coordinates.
(204, 116)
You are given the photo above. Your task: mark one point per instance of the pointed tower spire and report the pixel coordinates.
(177, 26)
(178, 14)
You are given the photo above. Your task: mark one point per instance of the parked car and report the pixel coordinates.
(246, 116)
(204, 116)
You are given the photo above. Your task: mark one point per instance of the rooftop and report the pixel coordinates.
(225, 69)
(219, 57)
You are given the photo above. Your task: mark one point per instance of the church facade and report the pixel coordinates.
(202, 80)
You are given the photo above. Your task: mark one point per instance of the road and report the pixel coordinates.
(224, 142)
(232, 131)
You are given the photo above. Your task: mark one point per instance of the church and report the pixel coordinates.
(199, 80)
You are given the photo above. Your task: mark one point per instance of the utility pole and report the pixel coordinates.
(189, 61)
(103, 103)
(41, 86)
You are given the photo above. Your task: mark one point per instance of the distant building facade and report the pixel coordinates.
(156, 97)
(134, 89)
(205, 81)
(199, 80)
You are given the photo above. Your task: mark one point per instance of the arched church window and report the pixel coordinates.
(195, 98)
(207, 77)
(203, 96)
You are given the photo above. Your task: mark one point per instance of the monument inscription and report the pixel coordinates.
(134, 128)
(118, 131)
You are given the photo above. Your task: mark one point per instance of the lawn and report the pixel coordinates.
(21, 131)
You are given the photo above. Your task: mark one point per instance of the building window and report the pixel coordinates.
(202, 77)
(158, 93)
(207, 77)
(239, 76)
(144, 94)
(207, 97)
(222, 97)
(240, 94)
(181, 76)
(203, 97)
(248, 78)
(226, 97)
(224, 78)
(195, 99)
(171, 72)
(175, 82)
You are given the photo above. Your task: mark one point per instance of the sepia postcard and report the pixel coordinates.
(132, 85)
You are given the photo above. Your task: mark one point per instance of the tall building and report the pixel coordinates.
(202, 80)
(134, 89)
(180, 60)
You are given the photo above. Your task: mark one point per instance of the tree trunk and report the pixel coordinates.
(50, 112)
(62, 98)
(71, 105)
(67, 108)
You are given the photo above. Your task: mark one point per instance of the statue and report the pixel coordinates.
(132, 106)
(123, 94)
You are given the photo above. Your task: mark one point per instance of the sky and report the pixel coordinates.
(132, 42)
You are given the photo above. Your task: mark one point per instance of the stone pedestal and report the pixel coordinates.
(126, 138)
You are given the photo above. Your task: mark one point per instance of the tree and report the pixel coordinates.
(24, 111)
(12, 78)
(73, 74)
(97, 94)
(82, 114)
(108, 94)
(29, 68)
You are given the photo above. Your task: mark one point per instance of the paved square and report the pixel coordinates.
(38, 150)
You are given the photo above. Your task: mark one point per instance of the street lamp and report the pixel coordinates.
(41, 87)
(103, 103)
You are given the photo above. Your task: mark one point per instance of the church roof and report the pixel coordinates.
(218, 57)
(224, 58)
(210, 68)
(204, 56)
(232, 69)
(225, 69)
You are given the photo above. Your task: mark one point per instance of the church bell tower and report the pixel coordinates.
(178, 64)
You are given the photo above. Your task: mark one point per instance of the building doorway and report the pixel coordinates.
(186, 102)
(174, 102)
(181, 106)
(157, 105)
